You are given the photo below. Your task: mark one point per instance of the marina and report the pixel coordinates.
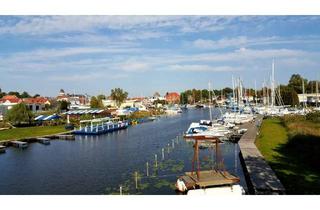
(95, 155)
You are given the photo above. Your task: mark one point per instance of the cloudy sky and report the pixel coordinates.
(144, 54)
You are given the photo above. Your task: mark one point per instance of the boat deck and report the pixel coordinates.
(209, 178)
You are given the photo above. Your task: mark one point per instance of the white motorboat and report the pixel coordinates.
(223, 190)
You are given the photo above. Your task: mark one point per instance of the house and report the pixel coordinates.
(6, 103)
(172, 98)
(62, 96)
(37, 104)
(9, 101)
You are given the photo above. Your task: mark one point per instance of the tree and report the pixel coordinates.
(295, 83)
(25, 95)
(36, 95)
(64, 105)
(119, 96)
(288, 95)
(2, 93)
(14, 93)
(19, 114)
(96, 102)
(101, 97)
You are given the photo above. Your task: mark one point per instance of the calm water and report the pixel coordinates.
(100, 164)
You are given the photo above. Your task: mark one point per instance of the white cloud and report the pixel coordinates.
(203, 68)
(41, 25)
(132, 66)
(243, 41)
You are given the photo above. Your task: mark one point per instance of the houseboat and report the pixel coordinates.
(100, 126)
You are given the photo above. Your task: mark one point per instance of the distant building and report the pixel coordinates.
(77, 101)
(173, 98)
(9, 101)
(309, 98)
(37, 104)
(6, 103)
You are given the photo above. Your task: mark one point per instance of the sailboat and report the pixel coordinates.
(207, 128)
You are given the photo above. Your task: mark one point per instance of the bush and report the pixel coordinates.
(293, 118)
(313, 116)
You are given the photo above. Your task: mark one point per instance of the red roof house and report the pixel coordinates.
(173, 97)
(10, 99)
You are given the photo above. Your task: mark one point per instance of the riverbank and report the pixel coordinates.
(29, 132)
(291, 147)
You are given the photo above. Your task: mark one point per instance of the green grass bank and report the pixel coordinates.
(27, 132)
(291, 147)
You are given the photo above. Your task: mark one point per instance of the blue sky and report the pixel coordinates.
(144, 54)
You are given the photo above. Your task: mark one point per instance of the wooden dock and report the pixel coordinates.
(212, 178)
(259, 176)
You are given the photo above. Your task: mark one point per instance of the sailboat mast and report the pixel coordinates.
(317, 92)
(210, 102)
(272, 86)
(233, 94)
(255, 91)
(304, 101)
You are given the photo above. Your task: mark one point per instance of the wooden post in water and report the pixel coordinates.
(136, 178)
(172, 143)
(168, 148)
(147, 168)
(156, 160)
(162, 153)
(120, 190)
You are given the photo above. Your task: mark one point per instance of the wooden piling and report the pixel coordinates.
(136, 179)
(120, 190)
(147, 164)
(162, 153)
(156, 160)
(172, 143)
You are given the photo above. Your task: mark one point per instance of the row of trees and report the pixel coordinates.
(289, 93)
(117, 94)
(24, 94)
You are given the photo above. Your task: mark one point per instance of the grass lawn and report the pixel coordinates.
(17, 133)
(292, 150)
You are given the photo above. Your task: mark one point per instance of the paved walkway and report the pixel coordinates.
(260, 177)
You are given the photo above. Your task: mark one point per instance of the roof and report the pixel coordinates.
(89, 111)
(175, 94)
(10, 98)
(37, 100)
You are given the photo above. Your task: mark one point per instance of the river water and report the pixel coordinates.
(101, 164)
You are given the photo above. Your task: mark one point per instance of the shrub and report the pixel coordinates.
(313, 116)
(292, 118)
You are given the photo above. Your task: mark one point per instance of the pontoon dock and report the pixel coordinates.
(45, 141)
(19, 144)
